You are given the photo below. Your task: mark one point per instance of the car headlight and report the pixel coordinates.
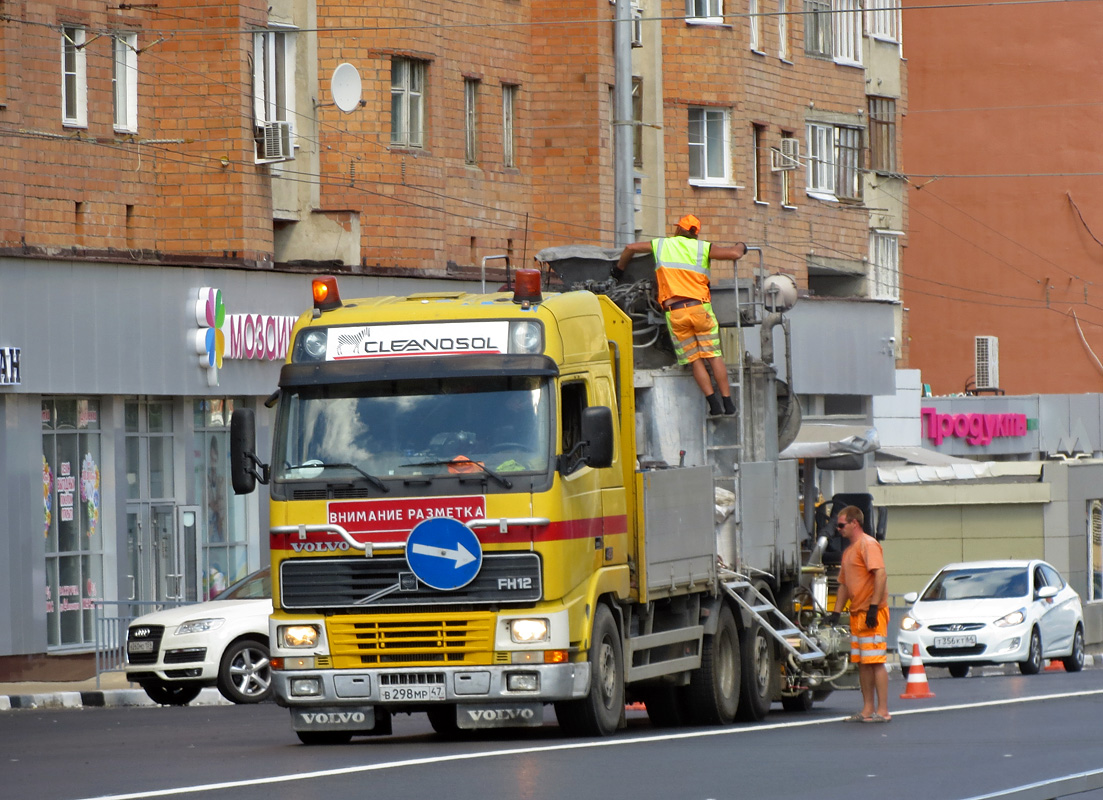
(528, 631)
(910, 623)
(297, 635)
(200, 625)
(1014, 618)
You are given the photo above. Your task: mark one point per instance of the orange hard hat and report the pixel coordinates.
(690, 223)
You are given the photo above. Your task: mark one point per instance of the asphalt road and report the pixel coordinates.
(977, 735)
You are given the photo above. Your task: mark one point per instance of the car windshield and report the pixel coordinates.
(404, 429)
(257, 586)
(969, 584)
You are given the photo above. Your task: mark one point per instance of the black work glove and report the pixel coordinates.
(871, 616)
(833, 618)
(616, 274)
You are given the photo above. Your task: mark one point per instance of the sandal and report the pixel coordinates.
(858, 718)
(877, 718)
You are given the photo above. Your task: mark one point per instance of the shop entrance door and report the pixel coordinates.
(162, 553)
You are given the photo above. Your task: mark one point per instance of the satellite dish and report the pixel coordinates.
(345, 87)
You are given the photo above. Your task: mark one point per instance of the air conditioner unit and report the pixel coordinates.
(276, 142)
(988, 362)
(786, 157)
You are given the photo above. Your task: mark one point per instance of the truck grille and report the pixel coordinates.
(412, 640)
(386, 581)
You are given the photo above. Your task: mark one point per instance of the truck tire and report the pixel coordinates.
(600, 712)
(798, 702)
(760, 674)
(713, 691)
(665, 706)
(443, 720)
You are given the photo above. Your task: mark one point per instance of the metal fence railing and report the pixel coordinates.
(110, 629)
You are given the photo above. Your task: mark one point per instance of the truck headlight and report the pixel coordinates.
(528, 631)
(297, 635)
(526, 337)
(310, 345)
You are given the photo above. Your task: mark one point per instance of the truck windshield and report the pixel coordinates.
(413, 430)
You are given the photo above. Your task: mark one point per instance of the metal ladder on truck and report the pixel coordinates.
(775, 623)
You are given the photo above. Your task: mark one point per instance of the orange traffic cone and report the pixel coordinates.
(1055, 665)
(917, 678)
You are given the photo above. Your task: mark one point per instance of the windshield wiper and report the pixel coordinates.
(319, 465)
(505, 483)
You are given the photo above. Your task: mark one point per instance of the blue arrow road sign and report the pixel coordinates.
(443, 553)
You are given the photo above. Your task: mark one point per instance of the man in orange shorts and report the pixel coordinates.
(862, 581)
(682, 274)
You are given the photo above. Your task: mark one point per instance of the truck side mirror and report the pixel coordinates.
(882, 523)
(597, 431)
(243, 458)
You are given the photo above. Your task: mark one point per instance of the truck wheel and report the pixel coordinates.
(600, 712)
(171, 694)
(760, 674)
(323, 737)
(799, 702)
(714, 688)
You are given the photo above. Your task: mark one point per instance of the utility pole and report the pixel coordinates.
(624, 215)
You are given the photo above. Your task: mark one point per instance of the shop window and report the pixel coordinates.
(1095, 550)
(223, 532)
(71, 518)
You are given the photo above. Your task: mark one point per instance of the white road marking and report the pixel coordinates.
(551, 748)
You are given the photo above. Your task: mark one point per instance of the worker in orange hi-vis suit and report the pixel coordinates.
(682, 265)
(863, 581)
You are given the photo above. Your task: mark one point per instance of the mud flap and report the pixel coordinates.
(359, 719)
(499, 715)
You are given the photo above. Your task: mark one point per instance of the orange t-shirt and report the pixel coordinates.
(856, 572)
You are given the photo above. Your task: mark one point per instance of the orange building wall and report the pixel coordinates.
(1006, 92)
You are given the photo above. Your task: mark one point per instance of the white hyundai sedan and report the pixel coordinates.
(173, 654)
(994, 612)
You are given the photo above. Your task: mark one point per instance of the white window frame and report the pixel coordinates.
(408, 102)
(471, 120)
(509, 120)
(124, 81)
(884, 264)
(820, 163)
(705, 11)
(1095, 551)
(74, 77)
(274, 82)
(883, 20)
(847, 29)
(784, 51)
(754, 26)
(705, 145)
(818, 27)
(848, 162)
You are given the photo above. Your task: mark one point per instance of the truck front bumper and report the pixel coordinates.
(400, 689)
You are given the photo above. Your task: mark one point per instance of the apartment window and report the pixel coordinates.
(884, 259)
(1095, 550)
(817, 27)
(274, 94)
(883, 19)
(848, 31)
(705, 10)
(708, 146)
(848, 155)
(407, 102)
(637, 120)
(754, 25)
(761, 161)
(820, 164)
(470, 120)
(787, 177)
(124, 81)
(74, 78)
(783, 48)
(882, 134)
(509, 110)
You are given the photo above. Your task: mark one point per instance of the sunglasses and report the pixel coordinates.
(841, 525)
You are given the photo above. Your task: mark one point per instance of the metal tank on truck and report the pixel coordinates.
(478, 508)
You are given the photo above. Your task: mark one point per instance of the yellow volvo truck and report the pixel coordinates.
(483, 504)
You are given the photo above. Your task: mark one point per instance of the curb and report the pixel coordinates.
(109, 698)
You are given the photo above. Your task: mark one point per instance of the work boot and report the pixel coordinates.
(715, 409)
(729, 406)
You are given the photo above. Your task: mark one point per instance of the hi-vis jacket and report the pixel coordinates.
(682, 268)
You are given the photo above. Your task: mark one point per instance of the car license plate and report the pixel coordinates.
(393, 693)
(951, 642)
(139, 647)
